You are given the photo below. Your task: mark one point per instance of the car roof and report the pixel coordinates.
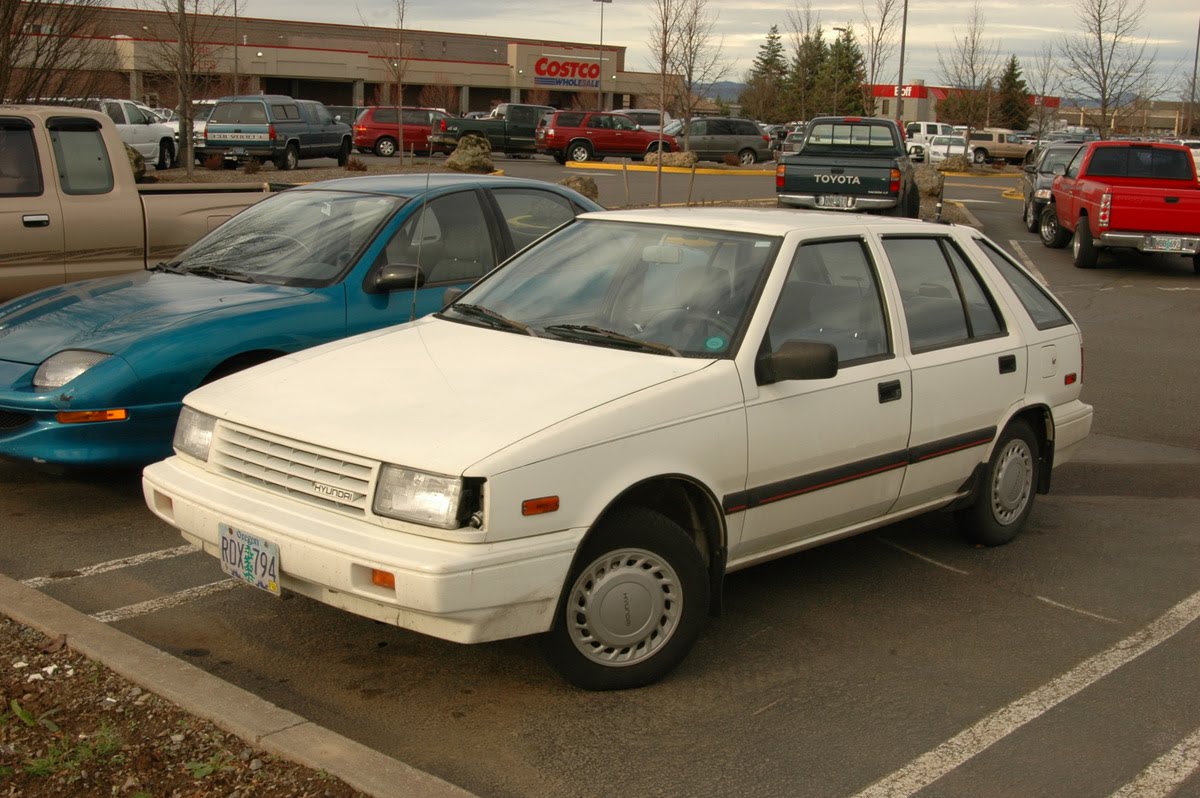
(409, 185)
(764, 221)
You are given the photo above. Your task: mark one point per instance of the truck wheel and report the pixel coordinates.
(343, 154)
(980, 155)
(1196, 262)
(579, 151)
(632, 606)
(385, 147)
(1083, 247)
(289, 160)
(1006, 496)
(166, 155)
(747, 157)
(914, 203)
(1051, 231)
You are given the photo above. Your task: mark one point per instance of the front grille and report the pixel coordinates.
(10, 419)
(319, 477)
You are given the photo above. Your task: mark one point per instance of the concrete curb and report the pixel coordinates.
(675, 170)
(235, 710)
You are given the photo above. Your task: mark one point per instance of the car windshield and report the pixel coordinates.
(649, 287)
(298, 237)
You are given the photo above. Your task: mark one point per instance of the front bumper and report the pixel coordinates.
(1151, 242)
(463, 592)
(37, 436)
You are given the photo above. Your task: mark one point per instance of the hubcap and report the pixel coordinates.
(624, 607)
(579, 154)
(386, 148)
(1012, 482)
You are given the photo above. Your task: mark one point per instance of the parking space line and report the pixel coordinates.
(112, 565)
(166, 602)
(1165, 774)
(1077, 610)
(932, 765)
(1028, 261)
(898, 547)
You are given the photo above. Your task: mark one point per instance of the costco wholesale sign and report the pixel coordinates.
(566, 74)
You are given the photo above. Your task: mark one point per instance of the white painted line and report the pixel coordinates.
(166, 602)
(932, 765)
(1077, 610)
(1028, 261)
(113, 565)
(1165, 774)
(898, 547)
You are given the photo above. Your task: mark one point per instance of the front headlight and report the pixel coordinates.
(408, 495)
(57, 370)
(1042, 193)
(193, 433)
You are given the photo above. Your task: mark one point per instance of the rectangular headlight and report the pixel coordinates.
(193, 433)
(408, 495)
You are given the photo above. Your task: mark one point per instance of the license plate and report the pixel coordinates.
(250, 558)
(833, 201)
(1165, 244)
(237, 151)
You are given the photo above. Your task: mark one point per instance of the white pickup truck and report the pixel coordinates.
(70, 208)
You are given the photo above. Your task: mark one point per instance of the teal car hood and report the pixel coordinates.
(107, 314)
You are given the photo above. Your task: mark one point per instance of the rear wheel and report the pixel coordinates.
(1006, 497)
(385, 147)
(579, 151)
(747, 157)
(914, 203)
(1083, 247)
(289, 159)
(1050, 231)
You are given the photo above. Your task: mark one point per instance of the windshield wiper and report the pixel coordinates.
(586, 332)
(219, 273)
(492, 317)
(164, 266)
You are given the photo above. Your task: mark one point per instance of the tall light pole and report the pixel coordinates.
(600, 75)
(235, 48)
(900, 75)
(1192, 96)
(837, 72)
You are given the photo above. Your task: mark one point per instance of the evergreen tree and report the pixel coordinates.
(761, 99)
(1012, 108)
(839, 88)
(801, 85)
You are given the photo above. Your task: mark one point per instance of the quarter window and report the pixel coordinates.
(1043, 310)
(531, 214)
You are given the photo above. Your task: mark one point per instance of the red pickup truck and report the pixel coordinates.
(1125, 194)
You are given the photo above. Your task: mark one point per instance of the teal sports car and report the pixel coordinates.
(93, 373)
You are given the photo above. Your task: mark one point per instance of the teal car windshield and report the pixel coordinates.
(648, 287)
(300, 238)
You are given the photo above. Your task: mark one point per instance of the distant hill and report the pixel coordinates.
(727, 91)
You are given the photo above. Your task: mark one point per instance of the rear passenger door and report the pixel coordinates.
(599, 130)
(968, 369)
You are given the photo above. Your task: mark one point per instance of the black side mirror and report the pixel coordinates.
(797, 360)
(396, 277)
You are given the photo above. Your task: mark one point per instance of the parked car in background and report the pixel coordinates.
(1125, 195)
(993, 143)
(594, 135)
(648, 118)
(706, 389)
(1037, 180)
(714, 137)
(201, 110)
(345, 113)
(510, 128)
(380, 129)
(792, 142)
(93, 373)
(939, 148)
(273, 127)
(918, 134)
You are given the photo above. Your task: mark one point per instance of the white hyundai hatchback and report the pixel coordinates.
(585, 443)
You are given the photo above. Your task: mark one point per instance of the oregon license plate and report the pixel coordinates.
(833, 201)
(250, 558)
(1165, 244)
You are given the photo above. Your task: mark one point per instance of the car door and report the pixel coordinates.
(699, 140)
(599, 130)
(968, 369)
(829, 453)
(31, 220)
(141, 132)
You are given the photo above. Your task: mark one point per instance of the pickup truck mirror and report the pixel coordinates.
(1060, 170)
(396, 277)
(797, 360)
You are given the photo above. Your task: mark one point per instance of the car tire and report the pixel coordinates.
(980, 156)
(1050, 231)
(645, 561)
(1196, 262)
(1008, 489)
(579, 151)
(166, 155)
(914, 203)
(1030, 217)
(343, 153)
(385, 147)
(289, 159)
(1083, 247)
(747, 157)
(560, 157)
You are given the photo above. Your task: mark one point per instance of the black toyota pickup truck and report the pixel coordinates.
(849, 163)
(509, 129)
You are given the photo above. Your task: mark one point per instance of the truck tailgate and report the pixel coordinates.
(837, 176)
(1156, 210)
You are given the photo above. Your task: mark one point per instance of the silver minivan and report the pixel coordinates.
(714, 137)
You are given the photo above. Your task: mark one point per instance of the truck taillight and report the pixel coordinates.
(442, 126)
(894, 184)
(271, 132)
(1105, 209)
(779, 177)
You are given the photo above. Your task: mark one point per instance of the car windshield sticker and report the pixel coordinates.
(715, 344)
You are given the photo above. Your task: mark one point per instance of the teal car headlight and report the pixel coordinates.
(59, 369)
(417, 496)
(193, 433)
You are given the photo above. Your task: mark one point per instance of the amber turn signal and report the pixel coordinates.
(81, 416)
(546, 504)
(383, 579)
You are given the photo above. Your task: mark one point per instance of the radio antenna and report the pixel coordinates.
(421, 230)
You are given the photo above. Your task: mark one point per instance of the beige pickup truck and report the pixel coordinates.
(70, 208)
(993, 142)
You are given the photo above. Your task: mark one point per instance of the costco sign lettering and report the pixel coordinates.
(576, 74)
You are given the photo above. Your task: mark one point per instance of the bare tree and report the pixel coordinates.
(970, 69)
(664, 36)
(394, 54)
(1044, 79)
(440, 94)
(879, 42)
(50, 49)
(1106, 63)
(697, 58)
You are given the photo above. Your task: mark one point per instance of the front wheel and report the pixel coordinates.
(166, 155)
(980, 156)
(633, 605)
(1084, 247)
(1006, 497)
(1030, 217)
(1050, 231)
(747, 157)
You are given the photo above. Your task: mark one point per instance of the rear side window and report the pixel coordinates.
(20, 172)
(531, 213)
(82, 158)
(239, 113)
(1042, 309)
(944, 301)
(569, 120)
(744, 128)
(386, 116)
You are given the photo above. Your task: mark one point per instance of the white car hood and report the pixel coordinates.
(434, 395)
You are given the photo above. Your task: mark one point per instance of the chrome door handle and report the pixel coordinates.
(36, 220)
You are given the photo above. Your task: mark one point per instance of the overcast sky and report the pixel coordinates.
(1020, 27)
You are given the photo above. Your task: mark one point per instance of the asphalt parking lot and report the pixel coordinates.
(899, 662)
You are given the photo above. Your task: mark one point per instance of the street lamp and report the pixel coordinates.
(235, 48)
(600, 74)
(900, 76)
(837, 73)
